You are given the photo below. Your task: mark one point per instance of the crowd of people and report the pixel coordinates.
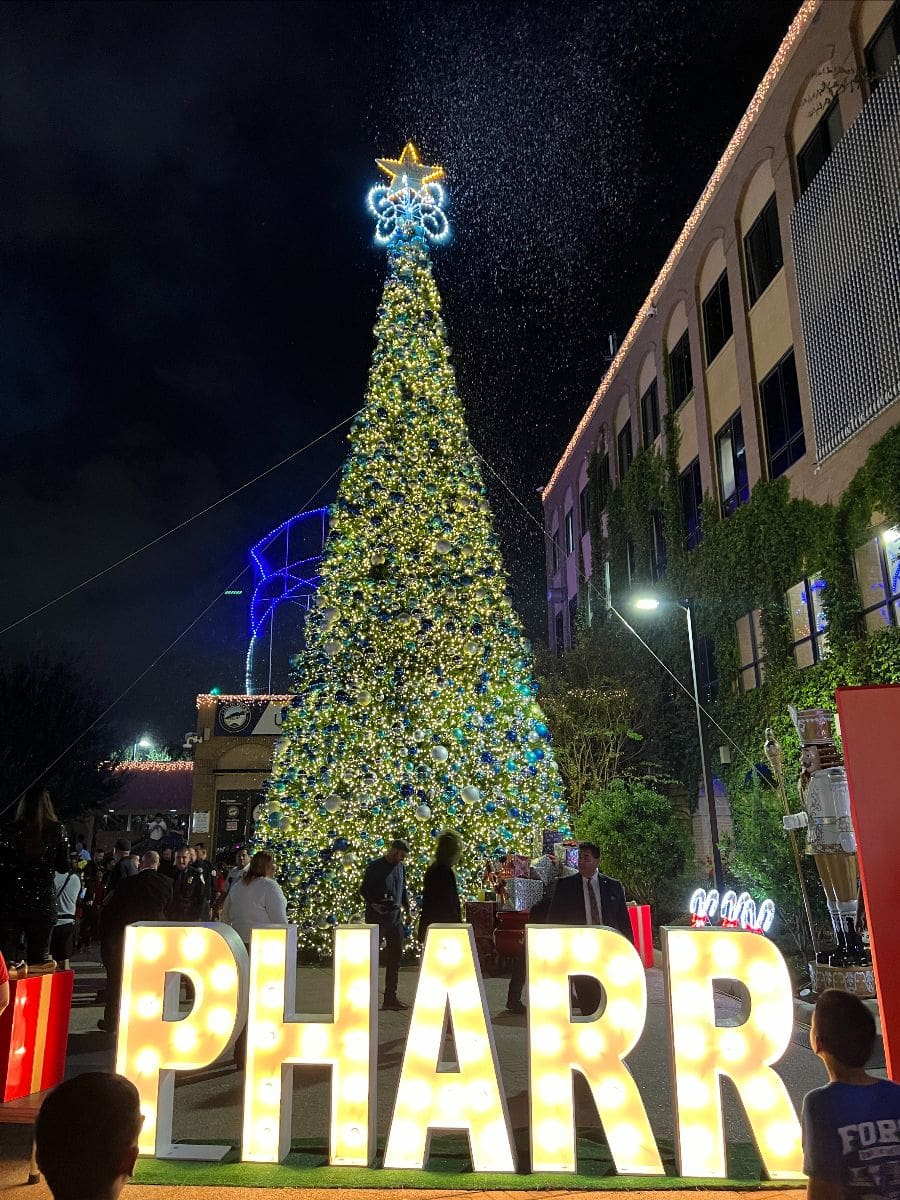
(56, 898)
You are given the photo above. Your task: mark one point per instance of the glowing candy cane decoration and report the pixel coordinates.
(702, 906)
(728, 911)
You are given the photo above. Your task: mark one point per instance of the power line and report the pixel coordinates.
(175, 528)
(146, 671)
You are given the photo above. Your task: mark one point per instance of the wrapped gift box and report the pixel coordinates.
(643, 931)
(34, 1030)
(523, 894)
(480, 914)
(551, 837)
(515, 866)
(546, 869)
(567, 852)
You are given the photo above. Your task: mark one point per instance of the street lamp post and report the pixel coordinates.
(143, 743)
(649, 604)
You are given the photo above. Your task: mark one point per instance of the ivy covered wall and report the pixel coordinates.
(747, 561)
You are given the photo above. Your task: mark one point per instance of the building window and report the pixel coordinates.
(734, 487)
(750, 651)
(630, 561)
(762, 251)
(626, 450)
(658, 550)
(604, 481)
(717, 317)
(692, 504)
(814, 152)
(883, 47)
(570, 532)
(680, 370)
(808, 621)
(650, 414)
(573, 619)
(779, 397)
(584, 510)
(558, 630)
(554, 550)
(878, 576)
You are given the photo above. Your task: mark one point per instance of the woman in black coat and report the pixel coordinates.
(33, 848)
(440, 896)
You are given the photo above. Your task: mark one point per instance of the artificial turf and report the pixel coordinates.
(448, 1167)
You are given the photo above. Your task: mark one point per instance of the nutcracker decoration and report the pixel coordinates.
(829, 833)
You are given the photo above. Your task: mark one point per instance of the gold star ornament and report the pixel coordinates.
(408, 171)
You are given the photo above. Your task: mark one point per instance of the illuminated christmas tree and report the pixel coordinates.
(415, 705)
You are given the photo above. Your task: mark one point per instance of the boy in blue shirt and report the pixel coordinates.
(851, 1127)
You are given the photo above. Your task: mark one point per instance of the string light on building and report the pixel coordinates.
(796, 31)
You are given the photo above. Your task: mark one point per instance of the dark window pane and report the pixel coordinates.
(558, 631)
(779, 396)
(732, 462)
(681, 371)
(691, 490)
(717, 317)
(584, 510)
(820, 143)
(650, 414)
(762, 251)
(626, 451)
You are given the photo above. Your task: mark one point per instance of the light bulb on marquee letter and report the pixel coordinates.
(155, 1039)
(277, 1039)
(470, 1099)
(703, 1051)
(559, 1044)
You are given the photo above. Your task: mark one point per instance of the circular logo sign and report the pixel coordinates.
(235, 717)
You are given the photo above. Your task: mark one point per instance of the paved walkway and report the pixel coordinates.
(208, 1103)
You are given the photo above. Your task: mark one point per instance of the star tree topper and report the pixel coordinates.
(408, 171)
(412, 200)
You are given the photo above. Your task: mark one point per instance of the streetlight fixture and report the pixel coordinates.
(651, 604)
(143, 743)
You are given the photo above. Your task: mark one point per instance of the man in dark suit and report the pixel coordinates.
(590, 898)
(142, 897)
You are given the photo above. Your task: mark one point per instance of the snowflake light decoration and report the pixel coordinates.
(413, 198)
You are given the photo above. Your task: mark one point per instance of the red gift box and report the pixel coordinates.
(639, 914)
(34, 1030)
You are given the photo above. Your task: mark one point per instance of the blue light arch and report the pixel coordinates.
(285, 564)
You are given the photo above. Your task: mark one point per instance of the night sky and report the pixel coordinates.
(188, 282)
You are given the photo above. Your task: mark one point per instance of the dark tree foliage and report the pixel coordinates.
(47, 706)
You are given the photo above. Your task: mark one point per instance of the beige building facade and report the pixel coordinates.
(233, 749)
(723, 339)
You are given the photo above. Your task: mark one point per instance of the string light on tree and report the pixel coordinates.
(415, 704)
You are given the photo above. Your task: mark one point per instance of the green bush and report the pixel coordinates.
(643, 839)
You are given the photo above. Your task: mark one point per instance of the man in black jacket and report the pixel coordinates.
(590, 898)
(142, 897)
(188, 891)
(384, 891)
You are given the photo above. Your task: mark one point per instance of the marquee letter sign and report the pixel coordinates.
(431, 1095)
(704, 1051)
(559, 1044)
(277, 1039)
(155, 1040)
